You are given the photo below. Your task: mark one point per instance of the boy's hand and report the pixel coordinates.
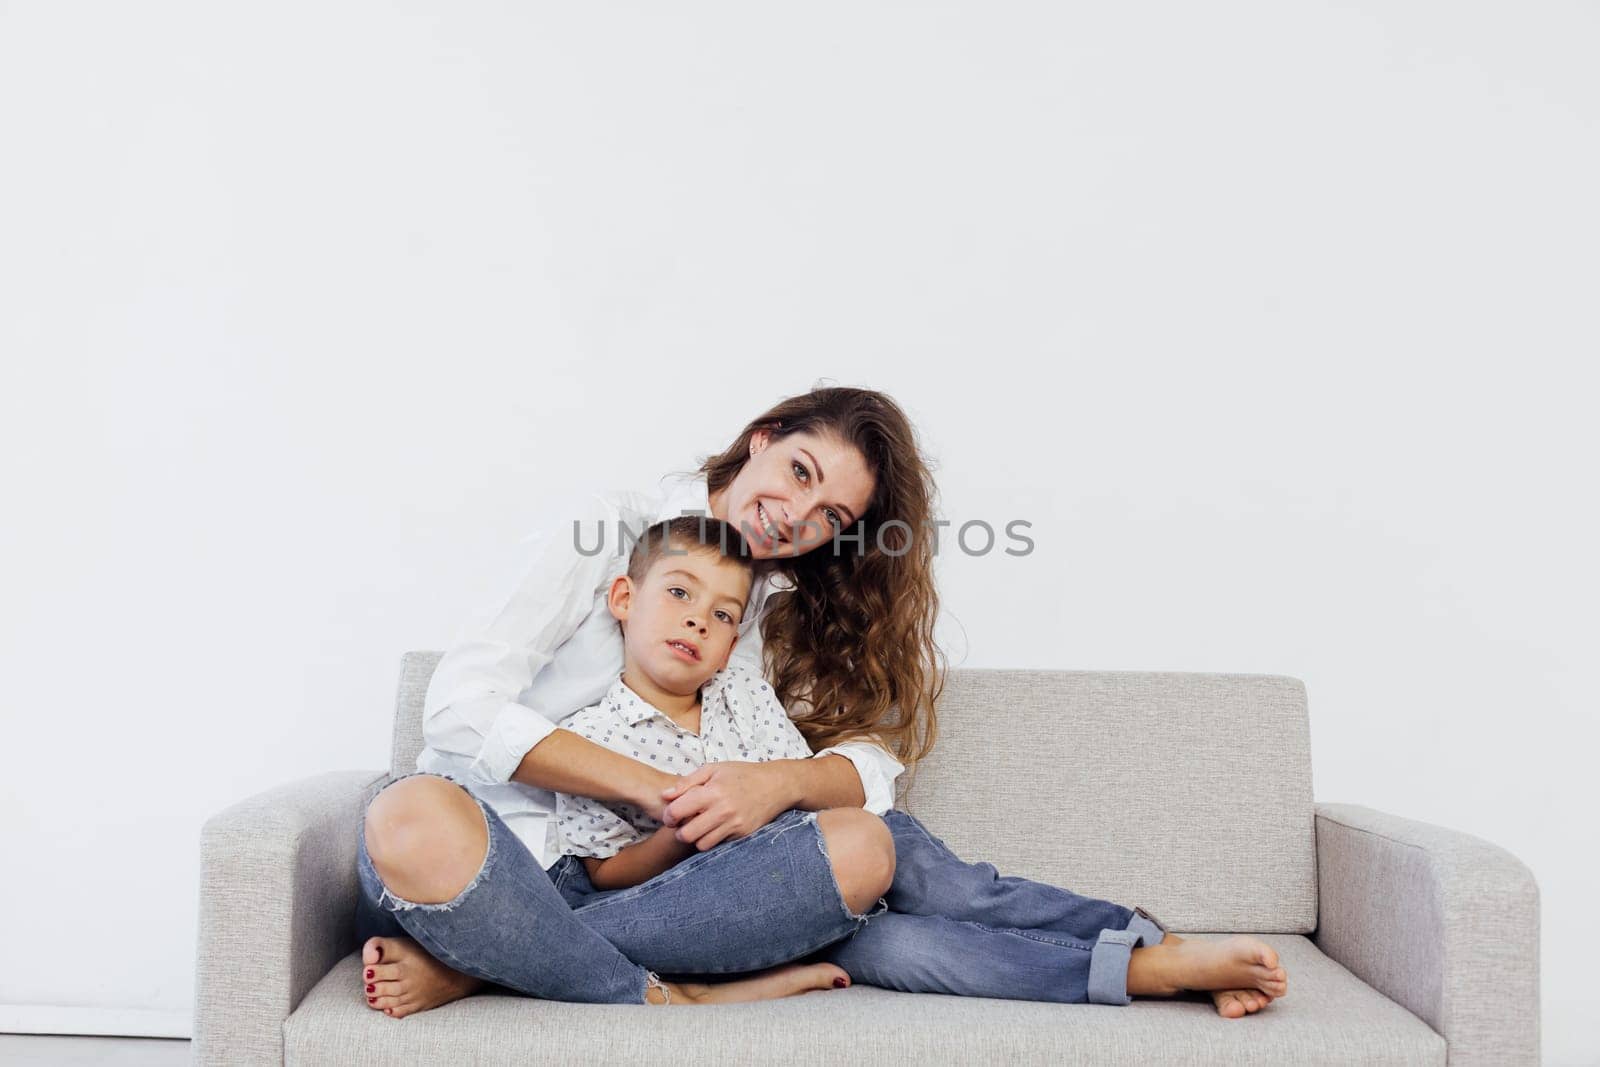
(726, 800)
(675, 850)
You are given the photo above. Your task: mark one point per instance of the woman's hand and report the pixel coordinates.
(725, 800)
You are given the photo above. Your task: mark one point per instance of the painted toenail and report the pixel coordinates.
(839, 983)
(372, 989)
(369, 972)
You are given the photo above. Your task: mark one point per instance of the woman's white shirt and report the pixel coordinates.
(554, 647)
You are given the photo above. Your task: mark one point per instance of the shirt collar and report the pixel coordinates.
(623, 701)
(635, 709)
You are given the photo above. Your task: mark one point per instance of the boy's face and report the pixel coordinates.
(682, 620)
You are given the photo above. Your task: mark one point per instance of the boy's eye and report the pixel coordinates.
(676, 589)
(724, 616)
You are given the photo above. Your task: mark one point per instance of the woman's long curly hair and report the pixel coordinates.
(850, 649)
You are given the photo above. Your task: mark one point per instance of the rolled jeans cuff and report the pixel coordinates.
(1108, 962)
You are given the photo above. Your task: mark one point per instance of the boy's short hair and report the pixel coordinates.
(688, 532)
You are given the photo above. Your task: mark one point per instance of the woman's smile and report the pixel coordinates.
(793, 493)
(766, 527)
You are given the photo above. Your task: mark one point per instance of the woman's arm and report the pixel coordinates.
(471, 712)
(731, 799)
(875, 767)
(639, 862)
(707, 804)
(564, 762)
(817, 783)
(851, 774)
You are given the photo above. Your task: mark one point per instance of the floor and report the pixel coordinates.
(24, 1050)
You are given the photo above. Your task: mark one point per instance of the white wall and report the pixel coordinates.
(1269, 317)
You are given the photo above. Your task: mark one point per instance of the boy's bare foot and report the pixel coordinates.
(786, 981)
(1242, 972)
(1237, 1003)
(400, 979)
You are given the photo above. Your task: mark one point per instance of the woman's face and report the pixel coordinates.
(794, 492)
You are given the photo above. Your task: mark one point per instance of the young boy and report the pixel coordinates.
(677, 704)
(949, 926)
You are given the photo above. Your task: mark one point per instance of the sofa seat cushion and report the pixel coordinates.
(1329, 1016)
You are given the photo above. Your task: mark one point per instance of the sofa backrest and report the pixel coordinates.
(1187, 793)
(416, 670)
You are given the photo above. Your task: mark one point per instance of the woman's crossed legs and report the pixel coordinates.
(451, 899)
(963, 928)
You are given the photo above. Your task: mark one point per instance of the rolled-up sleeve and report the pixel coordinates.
(877, 768)
(471, 709)
(513, 733)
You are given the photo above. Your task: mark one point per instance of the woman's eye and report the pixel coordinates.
(835, 518)
(804, 474)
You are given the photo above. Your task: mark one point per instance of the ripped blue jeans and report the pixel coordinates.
(748, 904)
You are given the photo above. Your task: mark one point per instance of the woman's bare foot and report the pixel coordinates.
(1242, 973)
(400, 979)
(787, 981)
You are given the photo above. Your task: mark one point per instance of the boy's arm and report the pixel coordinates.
(638, 862)
(569, 762)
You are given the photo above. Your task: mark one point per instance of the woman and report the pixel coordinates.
(844, 635)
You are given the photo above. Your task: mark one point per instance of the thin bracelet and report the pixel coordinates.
(651, 979)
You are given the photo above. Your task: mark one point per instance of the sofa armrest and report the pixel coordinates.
(277, 909)
(1441, 922)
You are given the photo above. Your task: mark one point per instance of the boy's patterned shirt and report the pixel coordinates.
(740, 719)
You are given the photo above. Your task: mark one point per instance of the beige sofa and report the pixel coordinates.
(1187, 793)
